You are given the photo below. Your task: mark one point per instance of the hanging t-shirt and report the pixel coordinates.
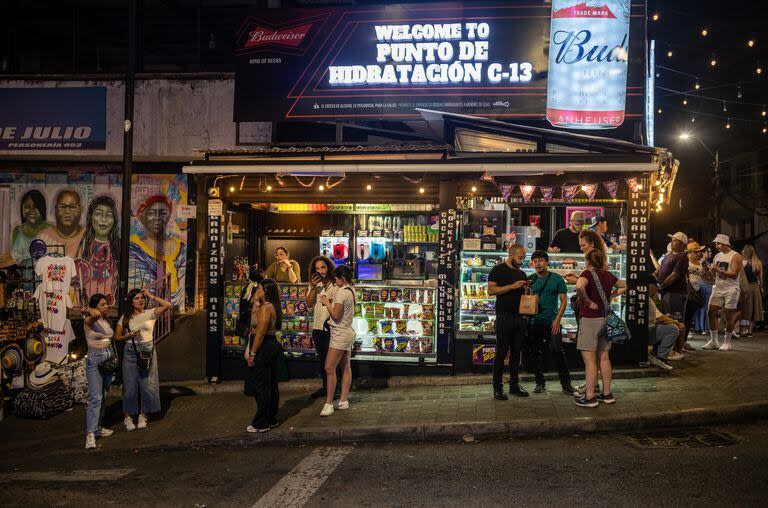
(144, 323)
(57, 343)
(53, 292)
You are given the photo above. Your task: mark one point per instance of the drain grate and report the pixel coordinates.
(694, 438)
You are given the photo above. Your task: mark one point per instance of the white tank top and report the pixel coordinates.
(724, 262)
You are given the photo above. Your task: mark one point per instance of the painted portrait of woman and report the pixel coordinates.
(100, 249)
(32, 211)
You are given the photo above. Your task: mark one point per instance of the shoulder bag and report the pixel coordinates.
(143, 356)
(111, 364)
(616, 330)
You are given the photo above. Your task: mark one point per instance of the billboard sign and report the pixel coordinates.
(61, 118)
(378, 62)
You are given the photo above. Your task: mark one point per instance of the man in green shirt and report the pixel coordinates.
(544, 328)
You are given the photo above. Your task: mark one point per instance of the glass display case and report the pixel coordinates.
(477, 312)
(395, 323)
(232, 291)
(296, 331)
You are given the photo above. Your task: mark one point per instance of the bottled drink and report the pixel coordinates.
(588, 52)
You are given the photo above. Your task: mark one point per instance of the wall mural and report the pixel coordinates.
(158, 254)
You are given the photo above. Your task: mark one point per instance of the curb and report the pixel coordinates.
(529, 428)
(310, 385)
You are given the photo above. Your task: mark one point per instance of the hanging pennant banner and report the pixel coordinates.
(589, 189)
(506, 190)
(547, 193)
(569, 191)
(527, 191)
(612, 187)
(634, 184)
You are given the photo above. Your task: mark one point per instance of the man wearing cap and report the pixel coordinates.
(726, 267)
(600, 225)
(567, 239)
(673, 274)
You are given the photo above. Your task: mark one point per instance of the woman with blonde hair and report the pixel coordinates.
(753, 296)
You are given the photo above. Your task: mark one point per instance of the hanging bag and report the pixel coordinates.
(616, 330)
(111, 364)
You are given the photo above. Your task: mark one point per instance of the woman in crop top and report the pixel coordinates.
(264, 350)
(99, 335)
(136, 328)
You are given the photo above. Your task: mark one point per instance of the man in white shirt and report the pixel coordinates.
(726, 267)
(321, 283)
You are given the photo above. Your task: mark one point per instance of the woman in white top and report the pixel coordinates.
(136, 327)
(341, 308)
(99, 335)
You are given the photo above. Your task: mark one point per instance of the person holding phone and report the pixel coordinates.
(321, 285)
(507, 282)
(136, 328)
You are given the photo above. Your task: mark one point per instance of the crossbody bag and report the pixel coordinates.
(616, 330)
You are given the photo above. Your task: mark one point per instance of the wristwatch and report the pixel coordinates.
(251, 354)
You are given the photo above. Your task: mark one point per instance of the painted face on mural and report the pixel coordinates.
(102, 220)
(68, 210)
(30, 213)
(155, 218)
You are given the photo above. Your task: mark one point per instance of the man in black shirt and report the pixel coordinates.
(507, 282)
(567, 239)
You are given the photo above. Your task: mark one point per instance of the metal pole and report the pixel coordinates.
(717, 191)
(125, 222)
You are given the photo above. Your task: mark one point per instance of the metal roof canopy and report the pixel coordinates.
(590, 154)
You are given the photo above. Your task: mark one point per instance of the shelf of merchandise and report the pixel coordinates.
(395, 323)
(477, 312)
(296, 331)
(231, 341)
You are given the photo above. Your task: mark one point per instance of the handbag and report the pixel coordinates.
(529, 304)
(111, 364)
(143, 358)
(616, 330)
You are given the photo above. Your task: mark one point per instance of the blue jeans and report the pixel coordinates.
(663, 338)
(98, 387)
(135, 382)
(700, 319)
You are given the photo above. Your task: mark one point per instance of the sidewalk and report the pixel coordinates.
(708, 387)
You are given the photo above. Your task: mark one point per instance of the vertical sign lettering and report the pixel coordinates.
(215, 301)
(638, 255)
(446, 284)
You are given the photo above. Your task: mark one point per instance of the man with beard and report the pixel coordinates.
(321, 284)
(67, 231)
(507, 282)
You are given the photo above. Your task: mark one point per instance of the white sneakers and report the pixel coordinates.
(658, 363)
(675, 356)
(128, 422)
(105, 432)
(142, 422)
(712, 344)
(328, 409)
(726, 346)
(252, 429)
(90, 441)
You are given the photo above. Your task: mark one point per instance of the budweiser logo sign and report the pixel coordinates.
(290, 37)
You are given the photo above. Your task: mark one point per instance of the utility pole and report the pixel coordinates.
(125, 216)
(717, 191)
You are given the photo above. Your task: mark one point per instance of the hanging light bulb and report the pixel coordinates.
(269, 188)
(693, 119)
(763, 112)
(739, 95)
(474, 189)
(685, 100)
(725, 106)
(697, 85)
(659, 111)
(751, 43)
(368, 187)
(765, 129)
(669, 53)
(421, 190)
(656, 16)
(713, 61)
(758, 69)
(704, 32)
(322, 187)
(232, 188)
(728, 124)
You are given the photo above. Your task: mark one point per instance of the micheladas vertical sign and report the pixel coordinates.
(386, 61)
(60, 118)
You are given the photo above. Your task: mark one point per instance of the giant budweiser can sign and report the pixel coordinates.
(588, 53)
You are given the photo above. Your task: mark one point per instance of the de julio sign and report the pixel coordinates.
(71, 118)
(509, 59)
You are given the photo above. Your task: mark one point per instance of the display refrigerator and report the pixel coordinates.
(477, 310)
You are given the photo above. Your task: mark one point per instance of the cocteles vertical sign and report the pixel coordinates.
(588, 55)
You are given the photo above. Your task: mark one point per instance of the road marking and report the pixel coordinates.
(294, 489)
(78, 475)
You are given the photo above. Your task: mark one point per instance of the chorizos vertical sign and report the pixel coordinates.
(492, 59)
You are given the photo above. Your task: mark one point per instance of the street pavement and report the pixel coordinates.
(707, 387)
(590, 470)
